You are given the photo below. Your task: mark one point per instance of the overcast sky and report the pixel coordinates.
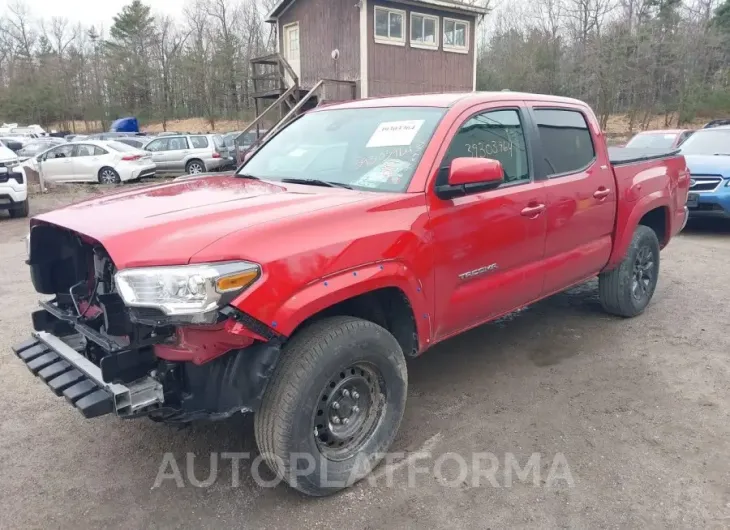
(90, 12)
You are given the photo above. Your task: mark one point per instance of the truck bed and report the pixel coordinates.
(629, 155)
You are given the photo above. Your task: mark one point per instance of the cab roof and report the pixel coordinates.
(448, 100)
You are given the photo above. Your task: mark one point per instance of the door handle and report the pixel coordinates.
(533, 211)
(601, 193)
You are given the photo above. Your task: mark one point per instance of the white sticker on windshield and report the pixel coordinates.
(298, 152)
(391, 133)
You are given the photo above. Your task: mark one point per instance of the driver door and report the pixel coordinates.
(57, 165)
(159, 149)
(490, 244)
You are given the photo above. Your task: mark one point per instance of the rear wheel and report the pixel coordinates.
(108, 175)
(333, 406)
(628, 289)
(20, 210)
(195, 167)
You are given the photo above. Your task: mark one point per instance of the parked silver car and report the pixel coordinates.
(189, 153)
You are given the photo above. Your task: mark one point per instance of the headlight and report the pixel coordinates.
(186, 290)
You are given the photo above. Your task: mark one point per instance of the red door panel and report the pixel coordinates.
(488, 257)
(580, 215)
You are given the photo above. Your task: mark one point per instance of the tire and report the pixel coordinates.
(365, 365)
(21, 210)
(195, 167)
(108, 175)
(628, 289)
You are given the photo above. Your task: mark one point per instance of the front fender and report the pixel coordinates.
(625, 229)
(343, 285)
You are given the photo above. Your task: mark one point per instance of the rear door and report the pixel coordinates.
(490, 243)
(88, 159)
(581, 195)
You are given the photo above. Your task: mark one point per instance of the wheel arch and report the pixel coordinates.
(652, 211)
(385, 293)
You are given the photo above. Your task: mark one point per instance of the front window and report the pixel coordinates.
(375, 149)
(707, 142)
(456, 35)
(652, 141)
(495, 134)
(389, 25)
(424, 29)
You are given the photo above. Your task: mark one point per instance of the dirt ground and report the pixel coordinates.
(637, 408)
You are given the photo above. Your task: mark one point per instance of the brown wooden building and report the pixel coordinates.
(385, 47)
(335, 50)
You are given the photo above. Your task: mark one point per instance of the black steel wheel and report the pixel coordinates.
(351, 404)
(627, 290)
(337, 397)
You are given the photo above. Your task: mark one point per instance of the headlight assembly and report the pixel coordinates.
(187, 290)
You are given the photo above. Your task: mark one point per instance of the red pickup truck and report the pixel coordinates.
(360, 234)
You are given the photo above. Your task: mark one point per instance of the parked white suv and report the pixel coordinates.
(13, 184)
(189, 153)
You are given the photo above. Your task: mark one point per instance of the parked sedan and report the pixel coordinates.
(660, 139)
(192, 154)
(107, 162)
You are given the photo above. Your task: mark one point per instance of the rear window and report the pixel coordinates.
(218, 141)
(566, 140)
(119, 146)
(652, 141)
(199, 142)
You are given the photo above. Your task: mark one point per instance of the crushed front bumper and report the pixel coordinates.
(57, 362)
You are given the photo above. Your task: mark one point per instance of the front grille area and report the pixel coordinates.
(4, 177)
(704, 182)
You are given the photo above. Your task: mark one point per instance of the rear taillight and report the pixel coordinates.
(130, 158)
(216, 155)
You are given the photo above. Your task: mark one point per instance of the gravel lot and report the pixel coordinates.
(638, 408)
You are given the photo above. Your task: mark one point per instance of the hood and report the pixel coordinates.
(7, 155)
(167, 224)
(708, 165)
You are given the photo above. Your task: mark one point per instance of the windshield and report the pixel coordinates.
(34, 148)
(653, 141)
(707, 142)
(374, 149)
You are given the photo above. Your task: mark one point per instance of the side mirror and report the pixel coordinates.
(471, 175)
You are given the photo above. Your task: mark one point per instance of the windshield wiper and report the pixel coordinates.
(722, 154)
(247, 176)
(317, 182)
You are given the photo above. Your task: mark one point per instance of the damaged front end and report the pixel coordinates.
(161, 342)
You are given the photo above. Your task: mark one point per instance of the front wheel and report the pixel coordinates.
(627, 290)
(333, 405)
(20, 210)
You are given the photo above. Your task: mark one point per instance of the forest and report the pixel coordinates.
(638, 58)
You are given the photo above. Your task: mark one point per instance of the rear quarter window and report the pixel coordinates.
(566, 140)
(198, 142)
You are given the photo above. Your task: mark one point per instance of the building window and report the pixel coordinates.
(424, 31)
(456, 35)
(390, 26)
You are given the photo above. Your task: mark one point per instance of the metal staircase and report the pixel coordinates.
(279, 97)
